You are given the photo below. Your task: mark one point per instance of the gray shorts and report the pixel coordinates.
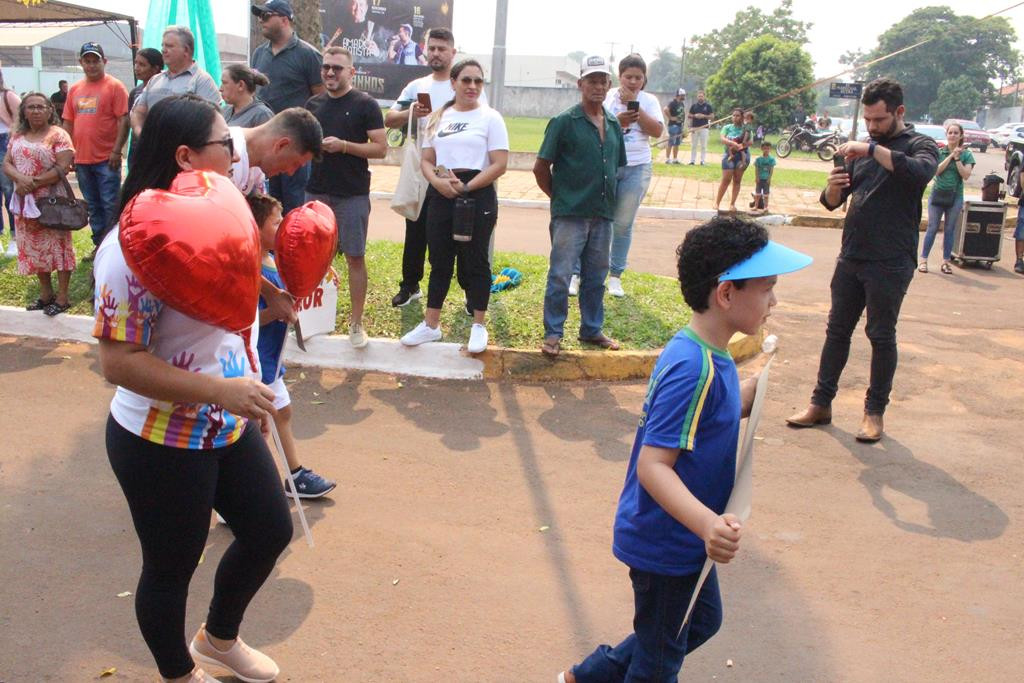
(353, 217)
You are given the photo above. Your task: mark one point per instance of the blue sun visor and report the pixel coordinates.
(772, 259)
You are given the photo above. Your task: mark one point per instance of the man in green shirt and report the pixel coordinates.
(576, 167)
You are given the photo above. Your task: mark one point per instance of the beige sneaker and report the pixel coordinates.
(241, 661)
(357, 336)
(200, 676)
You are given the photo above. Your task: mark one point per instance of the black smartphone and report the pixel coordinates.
(633, 105)
(839, 161)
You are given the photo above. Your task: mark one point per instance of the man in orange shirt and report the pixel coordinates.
(93, 115)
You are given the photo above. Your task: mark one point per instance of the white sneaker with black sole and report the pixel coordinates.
(421, 334)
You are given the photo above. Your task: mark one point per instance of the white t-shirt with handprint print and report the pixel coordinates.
(126, 311)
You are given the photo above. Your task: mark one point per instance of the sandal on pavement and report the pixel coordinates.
(55, 308)
(922, 267)
(41, 305)
(604, 341)
(945, 268)
(551, 347)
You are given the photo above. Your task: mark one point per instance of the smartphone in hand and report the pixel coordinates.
(423, 99)
(839, 161)
(633, 105)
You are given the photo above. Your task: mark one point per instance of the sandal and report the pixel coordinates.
(945, 268)
(41, 305)
(604, 341)
(922, 267)
(55, 308)
(551, 347)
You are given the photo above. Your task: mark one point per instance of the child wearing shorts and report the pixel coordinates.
(267, 212)
(764, 166)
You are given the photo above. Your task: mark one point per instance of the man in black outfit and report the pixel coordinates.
(59, 98)
(886, 180)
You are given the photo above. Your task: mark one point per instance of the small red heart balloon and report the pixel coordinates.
(197, 248)
(304, 247)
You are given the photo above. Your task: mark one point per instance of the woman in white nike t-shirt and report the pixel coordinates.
(465, 150)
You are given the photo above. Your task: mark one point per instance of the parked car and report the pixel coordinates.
(938, 133)
(974, 135)
(1001, 135)
(1014, 161)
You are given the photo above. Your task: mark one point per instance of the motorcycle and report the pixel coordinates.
(806, 138)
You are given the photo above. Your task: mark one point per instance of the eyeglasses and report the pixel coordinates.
(267, 15)
(466, 80)
(227, 142)
(333, 68)
(37, 107)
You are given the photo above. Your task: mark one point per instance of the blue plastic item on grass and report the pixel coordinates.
(506, 279)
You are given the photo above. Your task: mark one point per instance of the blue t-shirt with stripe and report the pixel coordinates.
(692, 404)
(272, 335)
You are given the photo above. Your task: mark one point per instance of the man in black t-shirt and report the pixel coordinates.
(59, 98)
(353, 132)
(674, 112)
(700, 117)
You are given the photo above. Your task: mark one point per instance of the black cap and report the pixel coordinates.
(92, 48)
(280, 7)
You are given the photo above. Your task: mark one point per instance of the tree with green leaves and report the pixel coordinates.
(958, 98)
(980, 50)
(663, 71)
(759, 70)
(709, 51)
(577, 55)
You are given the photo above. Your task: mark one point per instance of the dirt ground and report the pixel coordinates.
(469, 537)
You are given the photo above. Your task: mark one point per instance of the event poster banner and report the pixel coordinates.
(387, 39)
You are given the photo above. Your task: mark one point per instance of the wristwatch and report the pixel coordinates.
(871, 149)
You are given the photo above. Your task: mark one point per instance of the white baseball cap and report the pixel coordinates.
(593, 64)
(681, 91)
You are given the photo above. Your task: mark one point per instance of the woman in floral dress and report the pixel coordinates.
(38, 156)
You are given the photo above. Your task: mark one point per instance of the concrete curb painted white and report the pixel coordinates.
(437, 360)
(645, 211)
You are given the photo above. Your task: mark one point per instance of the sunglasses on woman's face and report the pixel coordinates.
(466, 80)
(227, 142)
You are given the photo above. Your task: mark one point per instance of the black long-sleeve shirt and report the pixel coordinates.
(884, 218)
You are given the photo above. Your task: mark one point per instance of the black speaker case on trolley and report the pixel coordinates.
(979, 233)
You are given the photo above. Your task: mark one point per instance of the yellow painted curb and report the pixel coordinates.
(528, 365)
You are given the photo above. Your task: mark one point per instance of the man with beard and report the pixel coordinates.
(440, 55)
(885, 179)
(353, 132)
(293, 67)
(401, 49)
(365, 38)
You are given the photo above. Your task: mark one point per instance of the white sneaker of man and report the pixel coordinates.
(615, 286)
(477, 339)
(574, 285)
(422, 334)
(357, 336)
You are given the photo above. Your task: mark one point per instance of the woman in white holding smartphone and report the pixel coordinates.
(465, 150)
(639, 113)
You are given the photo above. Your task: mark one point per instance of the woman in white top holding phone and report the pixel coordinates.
(465, 150)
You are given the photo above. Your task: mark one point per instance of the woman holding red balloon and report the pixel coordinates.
(465, 151)
(183, 435)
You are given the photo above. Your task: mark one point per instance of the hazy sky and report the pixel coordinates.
(545, 27)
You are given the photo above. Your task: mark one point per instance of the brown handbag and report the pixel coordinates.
(63, 212)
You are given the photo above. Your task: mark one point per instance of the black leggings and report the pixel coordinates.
(474, 266)
(170, 493)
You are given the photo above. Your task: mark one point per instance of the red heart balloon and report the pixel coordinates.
(304, 247)
(197, 248)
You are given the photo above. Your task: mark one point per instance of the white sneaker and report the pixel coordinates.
(357, 336)
(615, 286)
(421, 334)
(574, 285)
(477, 339)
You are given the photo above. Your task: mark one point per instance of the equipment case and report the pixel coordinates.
(979, 233)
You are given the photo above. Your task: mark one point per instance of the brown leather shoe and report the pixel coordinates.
(870, 428)
(814, 415)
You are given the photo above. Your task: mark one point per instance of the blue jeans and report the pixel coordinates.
(633, 182)
(290, 190)
(574, 239)
(653, 653)
(99, 185)
(6, 186)
(935, 214)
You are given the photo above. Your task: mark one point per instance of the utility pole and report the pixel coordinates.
(682, 67)
(611, 52)
(498, 55)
